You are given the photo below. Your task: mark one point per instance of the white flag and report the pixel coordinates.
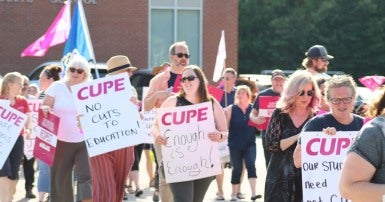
(221, 57)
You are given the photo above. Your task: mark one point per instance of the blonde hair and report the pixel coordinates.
(244, 88)
(294, 86)
(9, 78)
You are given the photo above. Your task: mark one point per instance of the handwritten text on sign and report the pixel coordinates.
(109, 120)
(29, 143)
(322, 158)
(11, 124)
(189, 153)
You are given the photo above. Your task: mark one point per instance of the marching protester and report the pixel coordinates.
(341, 93)
(109, 171)
(229, 77)
(159, 90)
(9, 173)
(297, 104)
(324, 105)
(71, 152)
(278, 79)
(241, 142)
(193, 91)
(50, 74)
(317, 61)
(363, 172)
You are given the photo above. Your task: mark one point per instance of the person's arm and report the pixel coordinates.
(355, 179)
(255, 118)
(47, 104)
(297, 156)
(228, 115)
(221, 132)
(157, 92)
(158, 137)
(287, 142)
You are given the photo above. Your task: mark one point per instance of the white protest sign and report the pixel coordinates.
(189, 153)
(11, 123)
(148, 119)
(29, 143)
(322, 159)
(110, 121)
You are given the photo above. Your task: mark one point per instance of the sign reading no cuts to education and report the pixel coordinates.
(189, 153)
(11, 123)
(322, 159)
(109, 120)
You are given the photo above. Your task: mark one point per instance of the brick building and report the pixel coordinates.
(142, 30)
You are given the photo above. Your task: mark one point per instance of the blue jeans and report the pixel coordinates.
(43, 180)
(247, 154)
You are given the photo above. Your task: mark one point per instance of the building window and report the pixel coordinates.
(171, 21)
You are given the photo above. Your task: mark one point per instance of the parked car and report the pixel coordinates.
(139, 79)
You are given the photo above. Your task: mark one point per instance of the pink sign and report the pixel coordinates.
(45, 143)
(267, 105)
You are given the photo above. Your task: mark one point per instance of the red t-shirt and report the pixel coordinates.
(21, 104)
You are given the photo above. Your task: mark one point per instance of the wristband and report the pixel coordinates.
(221, 136)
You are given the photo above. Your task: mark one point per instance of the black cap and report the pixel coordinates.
(318, 51)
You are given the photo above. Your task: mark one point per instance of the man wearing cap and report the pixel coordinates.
(109, 171)
(160, 89)
(317, 60)
(270, 95)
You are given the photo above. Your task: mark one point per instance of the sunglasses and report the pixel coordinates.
(188, 78)
(308, 93)
(73, 70)
(180, 55)
(345, 100)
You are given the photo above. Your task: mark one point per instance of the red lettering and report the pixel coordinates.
(202, 114)
(101, 88)
(183, 117)
(309, 146)
(327, 146)
(164, 121)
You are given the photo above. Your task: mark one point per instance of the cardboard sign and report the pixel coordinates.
(322, 159)
(217, 93)
(11, 123)
(46, 139)
(110, 121)
(29, 143)
(189, 153)
(148, 119)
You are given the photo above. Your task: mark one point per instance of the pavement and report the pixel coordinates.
(147, 192)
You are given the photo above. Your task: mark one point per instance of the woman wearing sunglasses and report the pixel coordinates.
(297, 104)
(71, 150)
(193, 91)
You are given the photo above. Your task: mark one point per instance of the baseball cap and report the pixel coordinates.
(277, 73)
(318, 51)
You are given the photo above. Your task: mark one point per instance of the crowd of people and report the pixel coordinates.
(307, 100)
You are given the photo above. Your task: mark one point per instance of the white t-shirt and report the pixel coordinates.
(64, 107)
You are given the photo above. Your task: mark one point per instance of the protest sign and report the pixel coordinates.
(322, 159)
(148, 119)
(267, 105)
(189, 153)
(11, 123)
(46, 139)
(110, 121)
(29, 142)
(217, 93)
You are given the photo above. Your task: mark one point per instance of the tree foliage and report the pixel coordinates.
(276, 34)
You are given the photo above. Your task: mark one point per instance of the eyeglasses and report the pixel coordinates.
(308, 93)
(188, 78)
(73, 70)
(345, 100)
(180, 55)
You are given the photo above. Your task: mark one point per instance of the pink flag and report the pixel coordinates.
(372, 82)
(56, 34)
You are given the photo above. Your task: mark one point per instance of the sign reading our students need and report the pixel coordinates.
(322, 159)
(189, 153)
(109, 120)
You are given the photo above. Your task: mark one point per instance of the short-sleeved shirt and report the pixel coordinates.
(322, 121)
(370, 145)
(64, 107)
